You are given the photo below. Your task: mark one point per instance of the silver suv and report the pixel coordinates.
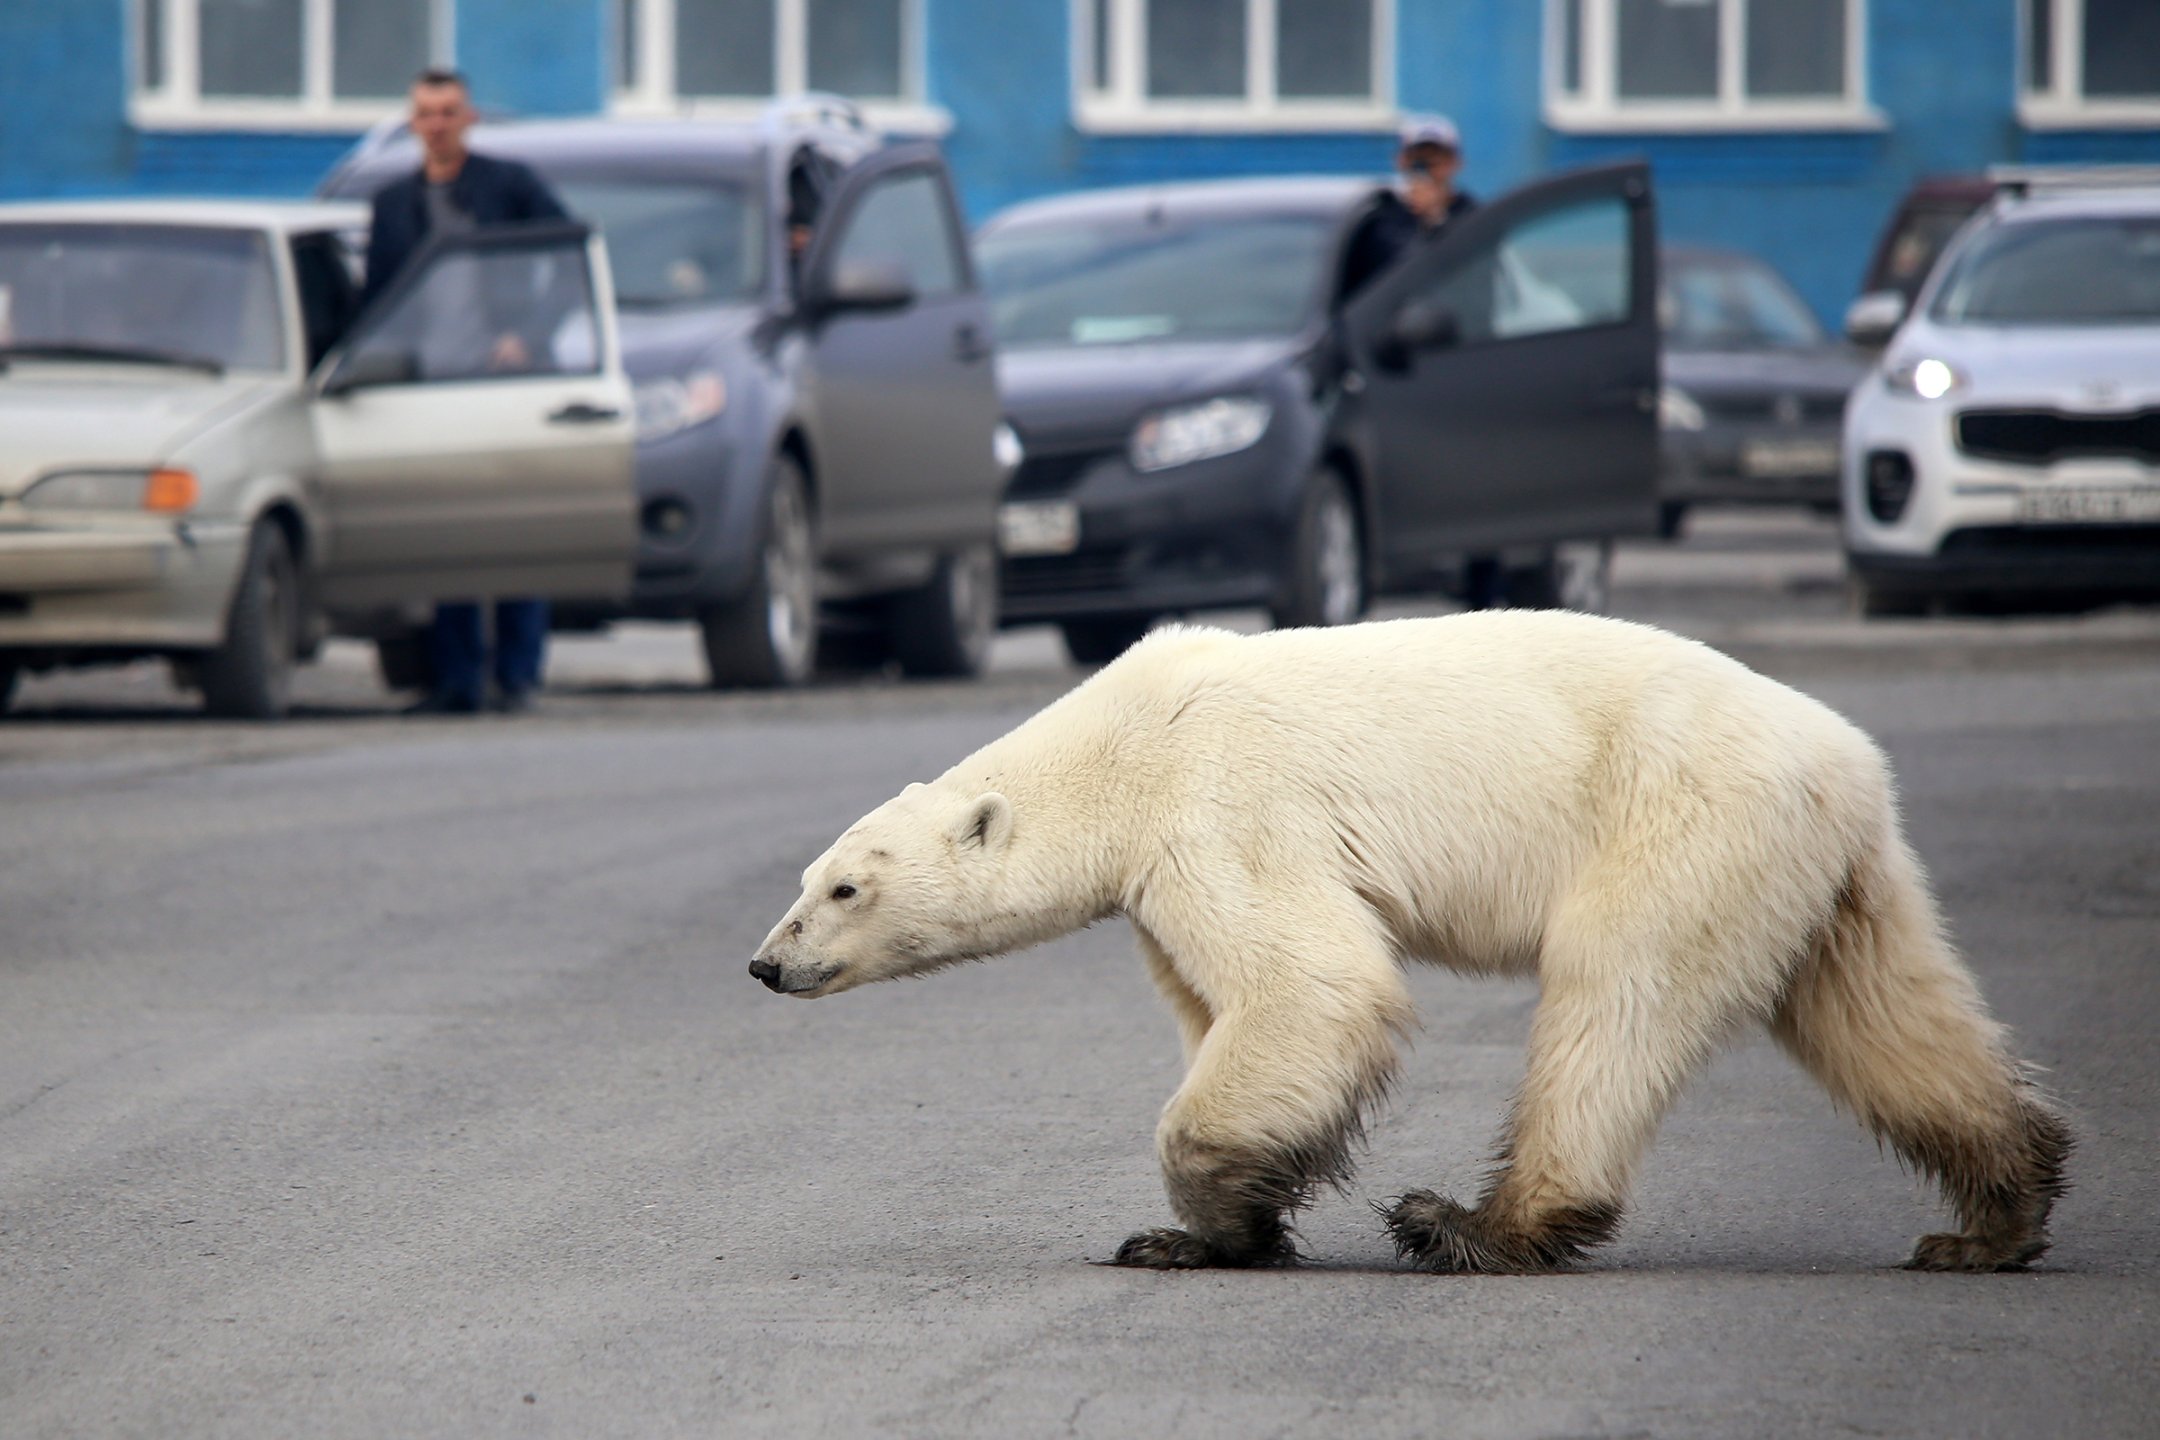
(204, 457)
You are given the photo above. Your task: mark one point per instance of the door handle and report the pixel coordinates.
(583, 412)
(968, 345)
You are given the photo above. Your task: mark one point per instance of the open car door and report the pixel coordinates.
(475, 431)
(1509, 373)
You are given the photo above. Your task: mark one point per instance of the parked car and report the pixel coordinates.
(1754, 394)
(815, 433)
(1208, 421)
(198, 461)
(2005, 453)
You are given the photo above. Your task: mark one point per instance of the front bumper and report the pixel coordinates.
(115, 583)
(1207, 536)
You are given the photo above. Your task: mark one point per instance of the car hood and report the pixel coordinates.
(2103, 368)
(1073, 392)
(1826, 370)
(664, 342)
(55, 417)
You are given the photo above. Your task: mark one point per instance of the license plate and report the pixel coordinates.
(1788, 459)
(2085, 505)
(1039, 527)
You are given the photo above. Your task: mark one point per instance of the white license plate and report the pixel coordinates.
(1039, 527)
(1788, 459)
(2087, 505)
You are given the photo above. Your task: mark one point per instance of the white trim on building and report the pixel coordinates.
(1584, 91)
(165, 91)
(2051, 75)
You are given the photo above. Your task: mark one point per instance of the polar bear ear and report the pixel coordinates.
(986, 823)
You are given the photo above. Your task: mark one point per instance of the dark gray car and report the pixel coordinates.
(1209, 421)
(1754, 393)
(815, 431)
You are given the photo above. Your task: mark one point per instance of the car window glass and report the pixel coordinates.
(1562, 269)
(181, 290)
(2087, 271)
(904, 221)
(675, 242)
(329, 294)
(491, 312)
(1145, 278)
(1725, 305)
(1919, 241)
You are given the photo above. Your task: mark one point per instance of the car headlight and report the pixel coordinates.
(1926, 377)
(1005, 445)
(1678, 410)
(668, 405)
(162, 492)
(1180, 436)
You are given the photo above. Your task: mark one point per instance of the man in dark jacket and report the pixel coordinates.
(453, 191)
(1428, 156)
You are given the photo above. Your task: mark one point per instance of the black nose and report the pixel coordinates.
(766, 971)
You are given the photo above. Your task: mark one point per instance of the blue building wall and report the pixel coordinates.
(1940, 71)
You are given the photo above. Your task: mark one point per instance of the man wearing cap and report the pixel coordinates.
(1428, 156)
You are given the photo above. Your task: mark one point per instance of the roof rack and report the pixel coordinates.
(2023, 180)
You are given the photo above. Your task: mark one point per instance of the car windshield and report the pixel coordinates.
(2097, 270)
(1732, 305)
(1108, 283)
(675, 242)
(181, 293)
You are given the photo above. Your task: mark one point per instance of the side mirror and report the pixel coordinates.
(367, 368)
(869, 285)
(1874, 318)
(1419, 325)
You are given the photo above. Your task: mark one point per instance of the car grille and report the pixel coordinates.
(2041, 437)
(1083, 570)
(1044, 476)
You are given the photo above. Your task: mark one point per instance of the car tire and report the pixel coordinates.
(1878, 603)
(405, 662)
(768, 639)
(1576, 575)
(1671, 519)
(945, 629)
(249, 676)
(1098, 642)
(1325, 582)
(10, 673)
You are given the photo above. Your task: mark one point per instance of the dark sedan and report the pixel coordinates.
(1208, 421)
(1754, 389)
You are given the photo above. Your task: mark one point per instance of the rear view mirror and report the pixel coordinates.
(1874, 318)
(367, 368)
(867, 285)
(1419, 325)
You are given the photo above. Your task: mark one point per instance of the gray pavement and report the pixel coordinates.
(362, 1077)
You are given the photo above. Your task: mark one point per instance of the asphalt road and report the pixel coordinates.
(366, 1077)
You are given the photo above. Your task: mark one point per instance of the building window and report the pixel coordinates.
(2090, 63)
(335, 63)
(1706, 64)
(1233, 64)
(726, 54)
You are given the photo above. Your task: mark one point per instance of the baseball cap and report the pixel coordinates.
(1429, 130)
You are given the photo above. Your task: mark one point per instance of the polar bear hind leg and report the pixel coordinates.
(1886, 1017)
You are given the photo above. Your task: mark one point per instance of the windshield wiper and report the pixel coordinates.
(124, 354)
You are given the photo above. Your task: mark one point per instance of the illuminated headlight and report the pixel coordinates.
(1928, 378)
(1221, 426)
(1678, 410)
(163, 492)
(1005, 445)
(668, 405)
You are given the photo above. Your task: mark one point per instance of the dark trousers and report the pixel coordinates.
(459, 644)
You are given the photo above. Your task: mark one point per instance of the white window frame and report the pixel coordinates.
(1123, 105)
(178, 104)
(653, 92)
(2061, 104)
(1597, 106)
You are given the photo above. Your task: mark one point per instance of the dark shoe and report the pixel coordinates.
(440, 704)
(514, 702)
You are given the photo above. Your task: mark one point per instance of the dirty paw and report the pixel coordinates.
(1165, 1249)
(1969, 1254)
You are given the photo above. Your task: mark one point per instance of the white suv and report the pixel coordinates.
(2005, 453)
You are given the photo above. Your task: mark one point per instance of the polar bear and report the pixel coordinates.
(1672, 844)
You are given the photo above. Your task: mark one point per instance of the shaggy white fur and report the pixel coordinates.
(1672, 844)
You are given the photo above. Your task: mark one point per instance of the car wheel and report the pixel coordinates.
(1326, 580)
(249, 677)
(946, 627)
(10, 672)
(1098, 642)
(769, 637)
(1878, 603)
(405, 662)
(1576, 576)
(1671, 519)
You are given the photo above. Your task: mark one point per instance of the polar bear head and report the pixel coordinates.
(916, 884)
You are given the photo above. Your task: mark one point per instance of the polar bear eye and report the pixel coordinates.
(843, 892)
